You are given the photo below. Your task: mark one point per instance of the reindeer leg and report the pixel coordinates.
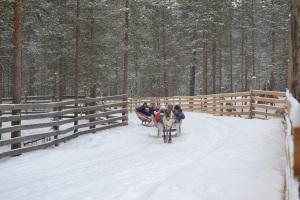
(170, 136)
(164, 135)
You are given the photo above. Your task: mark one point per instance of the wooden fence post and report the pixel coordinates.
(125, 114)
(253, 87)
(55, 119)
(191, 104)
(25, 101)
(76, 106)
(16, 133)
(296, 137)
(205, 104)
(130, 104)
(220, 99)
(92, 112)
(251, 106)
(214, 105)
(235, 104)
(221, 105)
(201, 103)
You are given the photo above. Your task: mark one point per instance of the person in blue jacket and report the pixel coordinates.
(144, 109)
(179, 115)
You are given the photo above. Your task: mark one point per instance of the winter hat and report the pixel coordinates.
(177, 107)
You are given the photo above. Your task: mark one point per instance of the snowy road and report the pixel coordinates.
(215, 158)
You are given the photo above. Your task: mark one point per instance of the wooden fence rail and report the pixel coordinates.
(254, 104)
(56, 123)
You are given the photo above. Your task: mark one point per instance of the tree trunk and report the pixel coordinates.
(242, 47)
(125, 59)
(253, 39)
(117, 80)
(193, 74)
(273, 49)
(136, 71)
(242, 61)
(1, 80)
(166, 87)
(17, 68)
(205, 64)
(61, 83)
(61, 64)
(294, 68)
(246, 67)
(77, 60)
(231, 63)
(93, 80)
(31, 80)
(231, 47)
(93, 55)
(214, 64)
(220, 70)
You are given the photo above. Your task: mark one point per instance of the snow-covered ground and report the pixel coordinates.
(216, 158)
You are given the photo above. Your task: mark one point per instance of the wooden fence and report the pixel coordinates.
(253, 104)
(56, 122)
(39, 123)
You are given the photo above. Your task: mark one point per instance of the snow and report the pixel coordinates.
(295, 110)
(215, 158)
(292, 183)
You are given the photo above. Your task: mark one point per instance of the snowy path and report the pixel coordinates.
(215, 158)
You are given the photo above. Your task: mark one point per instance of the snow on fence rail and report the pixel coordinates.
(254, 104)
(58, 122)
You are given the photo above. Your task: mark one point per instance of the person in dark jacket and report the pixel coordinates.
(144, 109)
(153, 108)
(179, 115)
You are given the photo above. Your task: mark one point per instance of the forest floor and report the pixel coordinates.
(215, 158)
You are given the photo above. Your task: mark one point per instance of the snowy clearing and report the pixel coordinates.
(215, 158)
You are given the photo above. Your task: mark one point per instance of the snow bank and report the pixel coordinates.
(215, 158)
(292, 192)
(293, 121)
(295, 110)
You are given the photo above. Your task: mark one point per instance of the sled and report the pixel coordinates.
(146, 120)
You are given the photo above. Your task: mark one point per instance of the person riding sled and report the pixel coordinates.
(143, 113)
(179, 115)
(144, 109)
(158, 119)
